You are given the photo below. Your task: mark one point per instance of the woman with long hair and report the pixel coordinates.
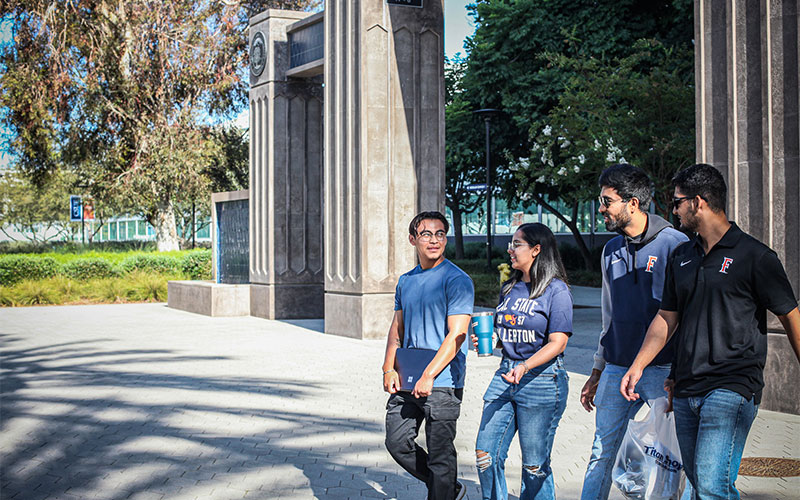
(528, 393)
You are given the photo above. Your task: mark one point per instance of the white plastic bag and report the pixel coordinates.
(648, 464)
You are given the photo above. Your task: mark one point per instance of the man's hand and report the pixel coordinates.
(669, 386)
(423, 387)
(590, 389)
(391, 382)
(628, 384)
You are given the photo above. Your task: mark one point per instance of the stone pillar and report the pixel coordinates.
(384, 152)
(285, 177)
(746, 64)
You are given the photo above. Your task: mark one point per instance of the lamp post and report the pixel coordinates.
(487, 115)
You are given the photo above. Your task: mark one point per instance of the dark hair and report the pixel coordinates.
(630, 182)
(434, 215)
(704, 181)
(547, 264)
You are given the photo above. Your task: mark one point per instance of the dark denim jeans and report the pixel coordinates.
(712, 431)
(404, 415)
(533, 408)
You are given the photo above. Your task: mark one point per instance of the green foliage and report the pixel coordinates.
(153, 263)
(111, 290)
(88, 268)
(579, 92)
(34, 292)
(572, 257)
(72, 247)
(34, 211)
(197, 265)
(15, 268)
(146, 287)
(124, 94)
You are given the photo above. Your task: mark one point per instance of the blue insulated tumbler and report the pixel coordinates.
(482, 326)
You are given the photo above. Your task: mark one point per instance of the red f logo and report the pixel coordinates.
(650, 263)
(727, 261)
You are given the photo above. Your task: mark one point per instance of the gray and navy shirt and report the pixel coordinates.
(633, 280)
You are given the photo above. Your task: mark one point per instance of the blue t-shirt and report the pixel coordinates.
(523, 324)
(427, 297)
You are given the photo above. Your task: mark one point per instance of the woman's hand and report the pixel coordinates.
(474, 339)
(516, 374)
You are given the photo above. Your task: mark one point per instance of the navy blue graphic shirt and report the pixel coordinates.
(523, 324)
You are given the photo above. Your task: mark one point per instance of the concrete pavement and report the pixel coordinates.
(145, 402)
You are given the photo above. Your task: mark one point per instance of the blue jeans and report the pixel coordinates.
(611, 421)
(712, 431)
(533, 407)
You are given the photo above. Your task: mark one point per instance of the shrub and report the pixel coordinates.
(33, 292)
(152, 263)
(147, 287)
(15, 268)
(7, 296)
(88, 268)
(197, 265)
(112, 290)
(68, 290)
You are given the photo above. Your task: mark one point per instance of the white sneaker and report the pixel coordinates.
(462, 490)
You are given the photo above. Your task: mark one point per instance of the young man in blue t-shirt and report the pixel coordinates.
(433, 304)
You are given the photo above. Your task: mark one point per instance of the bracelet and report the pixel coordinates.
(524, 364)
(388, 371)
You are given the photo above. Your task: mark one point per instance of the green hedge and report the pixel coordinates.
(88, 268)
(152, 263)
(15, 268)
(197, 265)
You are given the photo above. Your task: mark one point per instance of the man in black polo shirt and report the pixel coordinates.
(717, 290)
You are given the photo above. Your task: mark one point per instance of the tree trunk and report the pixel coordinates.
(573, 227)
(457, 232)
(166, 230)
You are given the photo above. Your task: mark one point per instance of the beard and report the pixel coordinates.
(618, 222)
(690, 222)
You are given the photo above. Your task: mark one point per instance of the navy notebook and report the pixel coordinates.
(410, 364)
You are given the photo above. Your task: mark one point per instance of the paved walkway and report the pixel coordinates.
(146, 402)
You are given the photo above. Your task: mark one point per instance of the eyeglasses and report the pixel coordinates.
(607, 202)
(426, 236)
(677, 201)
(513, 245)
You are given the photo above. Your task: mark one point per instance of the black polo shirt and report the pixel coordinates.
(722, 300)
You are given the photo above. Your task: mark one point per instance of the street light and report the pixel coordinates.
(487, 115)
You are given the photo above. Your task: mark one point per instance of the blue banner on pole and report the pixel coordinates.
(476, 187)
(75, 209)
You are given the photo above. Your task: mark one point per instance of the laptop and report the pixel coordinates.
(410, 364)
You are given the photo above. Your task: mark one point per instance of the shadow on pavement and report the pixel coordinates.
(90, 429)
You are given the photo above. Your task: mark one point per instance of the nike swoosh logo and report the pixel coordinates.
(684, 263)
(615, 261)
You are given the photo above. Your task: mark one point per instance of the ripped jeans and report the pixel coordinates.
(534, 408)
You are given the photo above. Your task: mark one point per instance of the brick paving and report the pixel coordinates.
(145, 402)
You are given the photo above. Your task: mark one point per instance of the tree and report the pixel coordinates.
(638, 109)
(463, 151)
(124, 94)
(514, 65)
(38, 213)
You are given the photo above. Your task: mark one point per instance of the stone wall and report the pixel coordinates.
(748, 126)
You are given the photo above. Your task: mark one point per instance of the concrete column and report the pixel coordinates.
(384, 152)
(746, 62)
(285, 178)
